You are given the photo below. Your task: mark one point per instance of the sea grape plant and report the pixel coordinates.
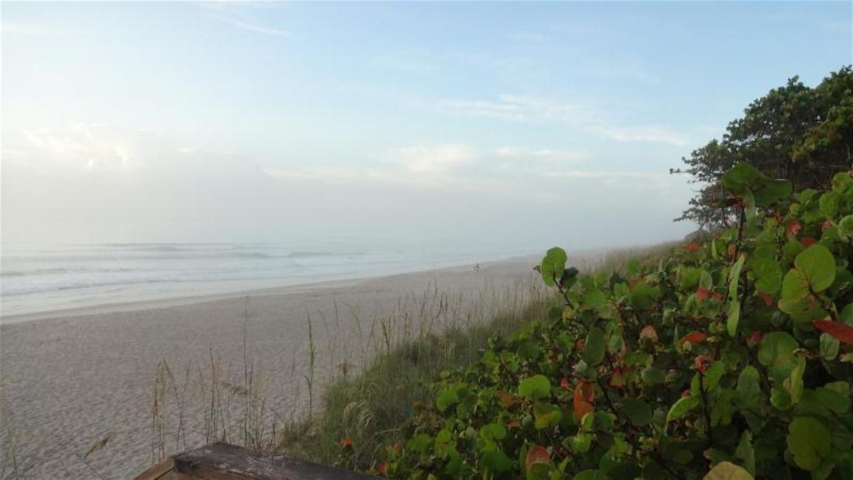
(731, 358)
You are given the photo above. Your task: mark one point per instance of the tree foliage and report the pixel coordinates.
(794, 132)
(727, 359)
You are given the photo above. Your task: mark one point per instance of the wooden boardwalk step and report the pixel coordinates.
(221, 461)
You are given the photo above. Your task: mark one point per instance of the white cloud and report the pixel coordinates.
(26, 28)
(434, 159)
(512, 107)
(642, 134)
(541, 154)
(251, 26)
(525, 108)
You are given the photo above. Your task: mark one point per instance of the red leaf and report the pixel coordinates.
(513, 424)
(347, 443)
(808, 241)
(617, 380)
(702, 362)
(702, 293)
(692, 247)
(536, 454)
(793, 228)
(582, 399)
(840, 331)
(382, 468)
(716, 297)
(768, 300)
(754, 338)
(564, 383)
(694, 337)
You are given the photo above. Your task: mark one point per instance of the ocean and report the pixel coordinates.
(40, 278)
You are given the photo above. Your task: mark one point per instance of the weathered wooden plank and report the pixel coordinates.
(161, 471)
(221, 461)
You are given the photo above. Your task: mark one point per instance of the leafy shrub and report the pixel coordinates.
(731, 357)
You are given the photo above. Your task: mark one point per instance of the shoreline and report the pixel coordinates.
(285, 289)
(74, 378)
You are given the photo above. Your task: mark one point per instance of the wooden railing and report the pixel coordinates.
(221, 461)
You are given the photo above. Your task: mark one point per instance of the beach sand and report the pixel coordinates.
(70, 379)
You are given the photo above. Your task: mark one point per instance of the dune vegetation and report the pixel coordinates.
(727, 355)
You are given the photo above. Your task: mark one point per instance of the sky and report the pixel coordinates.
(529, 123)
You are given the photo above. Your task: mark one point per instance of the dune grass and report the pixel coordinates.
(352, 395)
(359, 379)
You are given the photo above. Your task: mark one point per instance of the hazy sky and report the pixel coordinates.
(547, 123)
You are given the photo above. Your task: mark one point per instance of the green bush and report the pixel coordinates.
(731, 357)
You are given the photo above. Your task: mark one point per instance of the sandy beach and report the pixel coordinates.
(70, 379)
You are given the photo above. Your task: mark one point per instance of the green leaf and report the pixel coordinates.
(590, 475)
(766, 270)
(595, 347)
(818, 267)
(581, 442)
(746, 453)
(746, 181)
(446, 399)
(794, 383)
(682, 407)
(829, 204)
(546, 415)
(734, 317)
(593, 299)
(795, 287)
(749, 387)
(776, 352)
(638, 412)
(727, 471)
(829, 346)
(534, 387)
(493, 432)
(845, 226)
(734, 276)
(553, 265)
(644, 296)
(653, 376)
(834, 400)
(809, 441)
(713, 375)
(495, 461)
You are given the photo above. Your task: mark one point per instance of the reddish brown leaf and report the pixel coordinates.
(840, 331)
(731, 250)
(649, 332)
(694, 337)
(617, 380)
(716, 297)
(564, 383)
(582, 399)
(536, 454)
(702, 362)
(793, 228)
(702, 293)
(768, 300)
(808, 241)
(692, 247)
(506, 399)
(513, 424)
